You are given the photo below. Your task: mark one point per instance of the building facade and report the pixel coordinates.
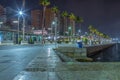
(49, 26)
(2, 16)
(36, 18)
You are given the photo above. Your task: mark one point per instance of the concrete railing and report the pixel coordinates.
(24, 42)
(96, 48)
(6, 43)
(75, 52)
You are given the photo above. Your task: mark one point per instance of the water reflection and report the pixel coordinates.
(111, 54)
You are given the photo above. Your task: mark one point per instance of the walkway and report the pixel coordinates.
(48, 66)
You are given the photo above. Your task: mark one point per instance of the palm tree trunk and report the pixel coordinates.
(80, 28)
(64, 26)
(73, 28)
(43, 22)
(58, 23)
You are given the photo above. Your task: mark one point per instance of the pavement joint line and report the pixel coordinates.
(71, 68)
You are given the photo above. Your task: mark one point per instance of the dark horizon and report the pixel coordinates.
(102, 14)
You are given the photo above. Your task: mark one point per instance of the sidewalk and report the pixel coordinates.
(48, 66)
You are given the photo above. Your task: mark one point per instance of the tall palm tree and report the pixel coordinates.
(65, 15)
(91, 28)
(23, 4)
(72, 18)
(44, 3)
(80, 21)
(92, 31)
(55, 18)
(55, 10)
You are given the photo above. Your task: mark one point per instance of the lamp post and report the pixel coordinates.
(79, 32)
(69, 32)
(1, 24)
(23, 28)
(55, 29)
(18, 31)
(20, 13)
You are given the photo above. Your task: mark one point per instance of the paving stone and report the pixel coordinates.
(45, 67)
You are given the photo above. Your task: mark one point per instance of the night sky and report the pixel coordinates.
(102, 14)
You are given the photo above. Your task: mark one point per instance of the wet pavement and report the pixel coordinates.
(42, 63)
(48, 66)
(14, 59)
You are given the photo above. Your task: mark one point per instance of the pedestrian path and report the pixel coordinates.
(48, 66)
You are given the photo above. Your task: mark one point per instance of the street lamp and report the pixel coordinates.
(55, 28)
(79, 32)
(69, 30)
(20, 13)
(53, 23)
(18, 31)
(1, 24)
(23, 28)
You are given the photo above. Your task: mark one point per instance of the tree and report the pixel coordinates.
(44, 3)
(65, 15)
(80, 21)
(55, 18)
(55, 10)
(72, 18)
(91, 29)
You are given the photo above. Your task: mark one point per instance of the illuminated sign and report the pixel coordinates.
(40, 32)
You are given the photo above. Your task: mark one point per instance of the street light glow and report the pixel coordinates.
(53, 23)
(20, 12)
(69, 28)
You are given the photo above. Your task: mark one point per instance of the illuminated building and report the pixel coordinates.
(2, 16)
(36, 18)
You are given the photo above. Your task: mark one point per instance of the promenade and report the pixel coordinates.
(48, 66)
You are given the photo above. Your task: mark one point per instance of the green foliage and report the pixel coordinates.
(31, 41)
(59, 41)
(72, 16)
(79, 19)
(44, 2)
(90, 27)
(64, 14)
(85, 40)
(19, 40)
(95, 31)
(55, 9)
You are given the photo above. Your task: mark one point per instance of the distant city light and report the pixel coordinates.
(69, 28)
(79, 30)
(40, 32)
(1, 22)
(49, 37)
(15, 21)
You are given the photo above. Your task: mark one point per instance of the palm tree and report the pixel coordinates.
(44, 3)
(65, 15)
(91, 29)
(80, 21)
(72, 18)
(55, 10)
(55, 18)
